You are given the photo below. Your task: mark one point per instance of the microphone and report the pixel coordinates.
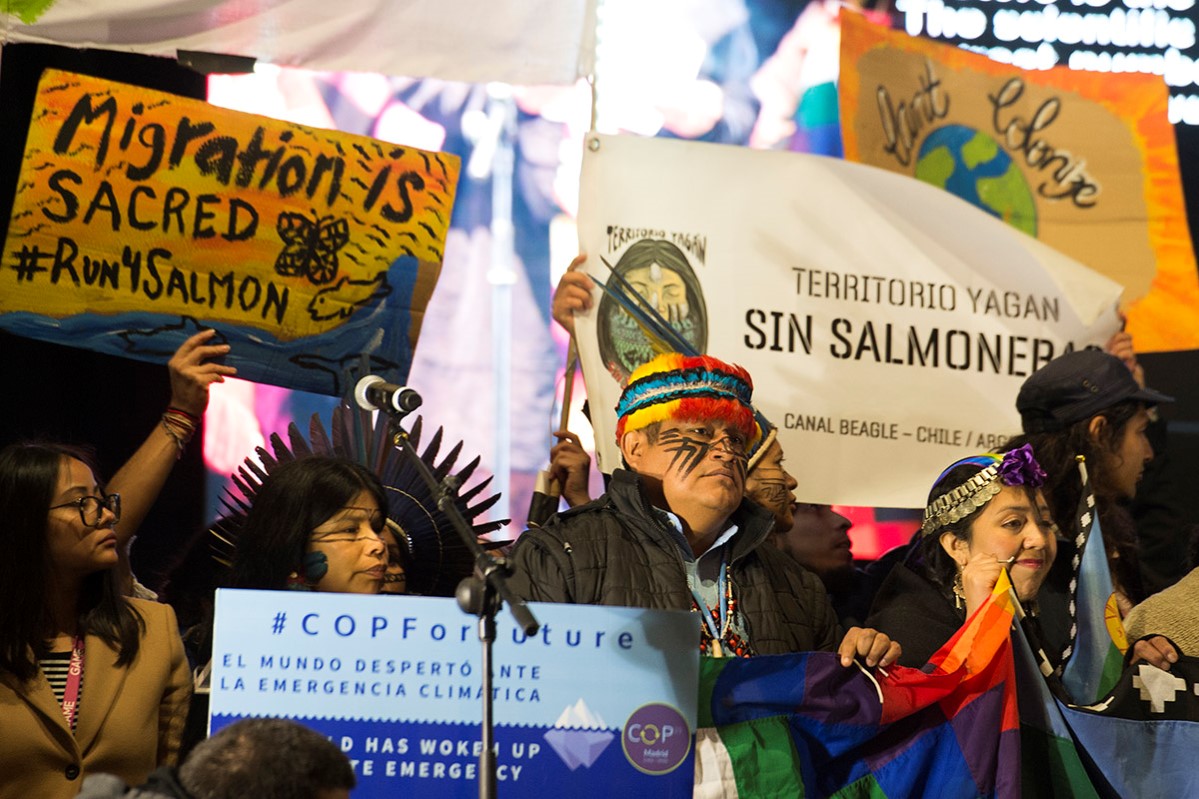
(373, 393)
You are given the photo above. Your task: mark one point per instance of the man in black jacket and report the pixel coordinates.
(675, 532)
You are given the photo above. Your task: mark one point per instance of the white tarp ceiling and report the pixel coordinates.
(510, 41)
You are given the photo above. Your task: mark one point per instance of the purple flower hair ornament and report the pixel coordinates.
(1019, 467)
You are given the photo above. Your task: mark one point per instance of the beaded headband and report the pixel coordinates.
(1013, 468)
(675, 386)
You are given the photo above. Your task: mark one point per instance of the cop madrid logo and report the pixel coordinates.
(656, 739)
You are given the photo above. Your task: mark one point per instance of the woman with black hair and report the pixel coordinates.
(1087, 403)
(90, 680)
(984, 514)
(314, 525)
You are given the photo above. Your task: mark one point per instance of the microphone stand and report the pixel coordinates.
(479, 595)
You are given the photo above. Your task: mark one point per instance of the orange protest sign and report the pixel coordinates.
(136, 209)
(1085, 162)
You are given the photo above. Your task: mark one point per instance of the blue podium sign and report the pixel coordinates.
(601, 701)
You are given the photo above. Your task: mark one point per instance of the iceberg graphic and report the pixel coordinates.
(579, 736)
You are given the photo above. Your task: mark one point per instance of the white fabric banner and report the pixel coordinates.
(510, 41)
(887, 324)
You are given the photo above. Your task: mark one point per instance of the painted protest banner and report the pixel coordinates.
(141, 217)
(887, 324)
(1086, 162)
(601, 701)
(513, 41)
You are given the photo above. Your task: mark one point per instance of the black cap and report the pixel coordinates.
(1076, 386)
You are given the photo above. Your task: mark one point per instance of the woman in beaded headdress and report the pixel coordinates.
(985, 514)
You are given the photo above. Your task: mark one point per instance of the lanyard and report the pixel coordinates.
(70, 697)
(717, 628)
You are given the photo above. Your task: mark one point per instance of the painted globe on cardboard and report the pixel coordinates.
(972, 165)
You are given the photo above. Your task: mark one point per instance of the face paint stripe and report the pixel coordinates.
(688, 452)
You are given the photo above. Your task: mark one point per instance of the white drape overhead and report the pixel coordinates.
(509, 41)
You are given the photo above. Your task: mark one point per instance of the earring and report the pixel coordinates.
(297, 583)
(959, 591)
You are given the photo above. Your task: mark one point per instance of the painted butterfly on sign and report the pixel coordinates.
(310, 245)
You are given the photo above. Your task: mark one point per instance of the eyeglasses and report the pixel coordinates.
(91, 508)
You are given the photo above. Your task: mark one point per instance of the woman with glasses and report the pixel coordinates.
(193, 369)
(90, 680)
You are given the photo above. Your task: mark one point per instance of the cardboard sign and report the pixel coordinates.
(1085, 162)
(141, 217)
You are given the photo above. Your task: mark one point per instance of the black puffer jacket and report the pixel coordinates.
(618, 551)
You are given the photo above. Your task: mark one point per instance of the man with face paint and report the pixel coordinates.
(674, 530)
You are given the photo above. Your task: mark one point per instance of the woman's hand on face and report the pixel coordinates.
(979, 576)
(192, 370)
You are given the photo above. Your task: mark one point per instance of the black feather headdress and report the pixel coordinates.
(437, 557)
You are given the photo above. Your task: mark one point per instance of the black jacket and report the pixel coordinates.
(916, 613)
(617, 551)
(923, 618)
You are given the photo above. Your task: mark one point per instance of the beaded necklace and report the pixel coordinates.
(716, 635)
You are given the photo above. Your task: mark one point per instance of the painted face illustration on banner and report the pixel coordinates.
(659, 272)
(664, 289)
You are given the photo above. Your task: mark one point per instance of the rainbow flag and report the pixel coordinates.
(1049, 756)
(1095, 659)
(803, 725)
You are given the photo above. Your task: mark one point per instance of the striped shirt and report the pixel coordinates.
(55, 666)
